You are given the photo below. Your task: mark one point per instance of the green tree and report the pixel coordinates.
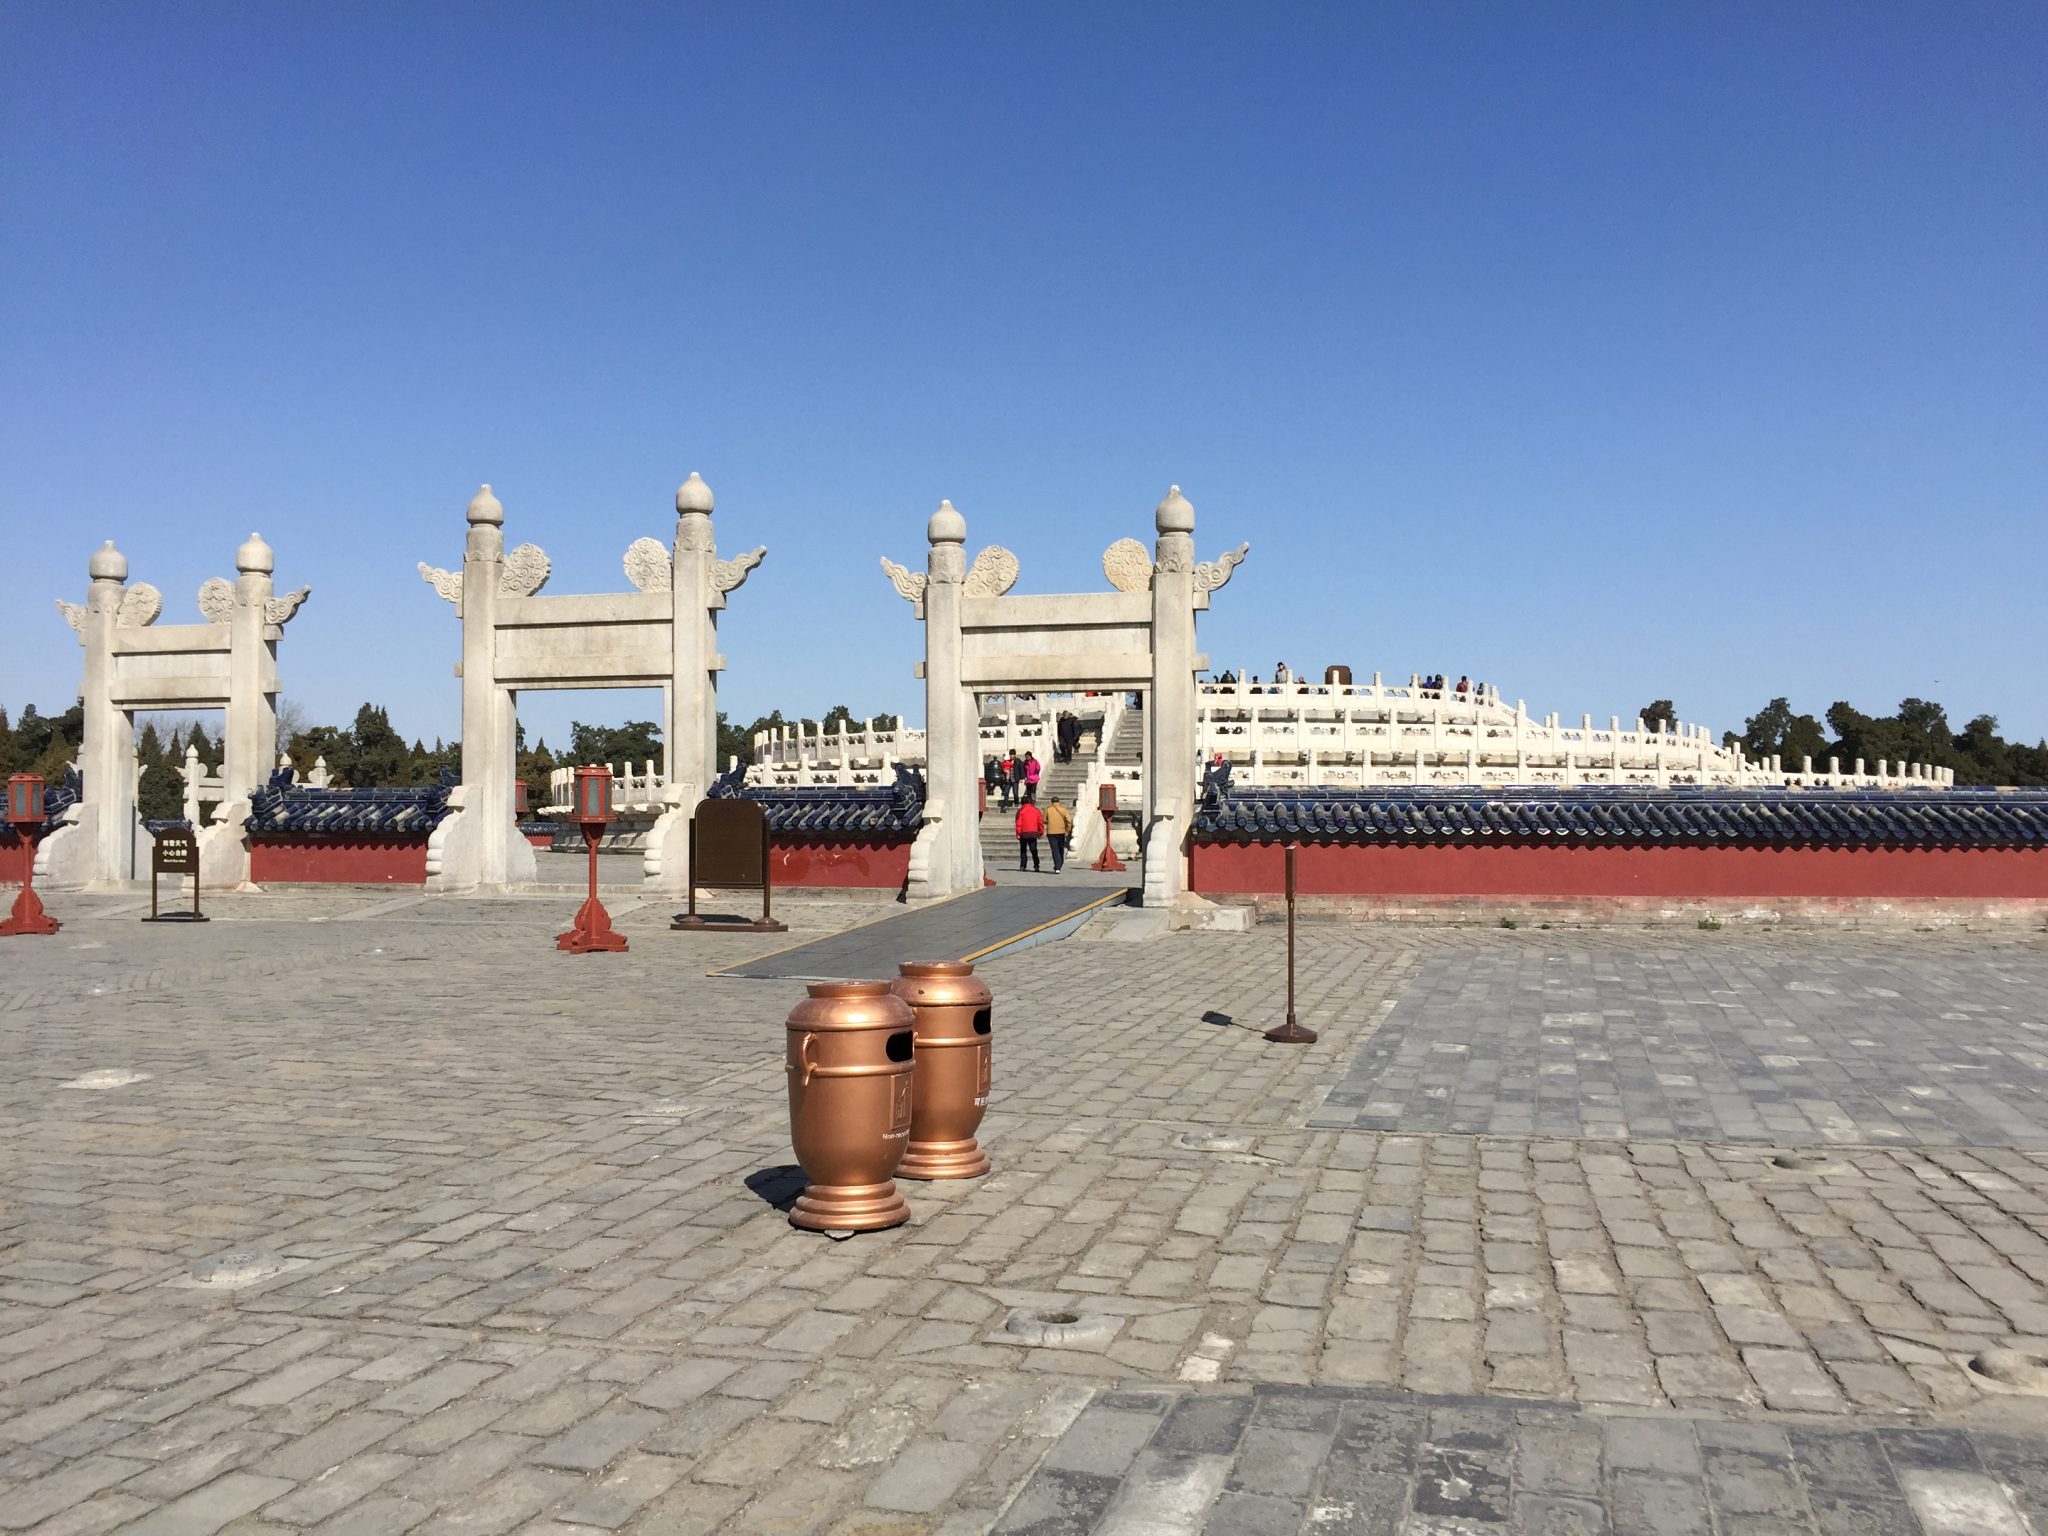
(1774, 731)
(1658, 710)
(637, 741)
(161, 794)
(380, 755)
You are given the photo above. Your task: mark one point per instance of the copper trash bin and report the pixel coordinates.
(850, 1058)
(949, 1092)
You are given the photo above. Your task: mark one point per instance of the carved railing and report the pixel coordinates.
(633, 794)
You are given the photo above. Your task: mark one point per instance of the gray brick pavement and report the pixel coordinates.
(1806, 1049)
(540, 1276)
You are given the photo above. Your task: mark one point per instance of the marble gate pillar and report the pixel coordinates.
(1170, 711)
(951, 856)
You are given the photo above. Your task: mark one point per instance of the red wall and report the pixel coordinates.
(338, 860)
(1570, 869)
(16, 853)
(829, 861)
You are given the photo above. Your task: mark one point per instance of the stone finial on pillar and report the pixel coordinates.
(107, 564)
(486, 508)
(255, 558)
(1176, 514)
(693, 495)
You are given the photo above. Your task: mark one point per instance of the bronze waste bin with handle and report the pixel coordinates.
(949, 1092)
(849, 1104)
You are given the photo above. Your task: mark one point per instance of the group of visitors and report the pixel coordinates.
(1011, 778)
(1066, 736)
(1284, 676)
(1434, 686)
(1055, 823)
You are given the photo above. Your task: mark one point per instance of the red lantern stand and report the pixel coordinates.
(593, 928)
(1105, 799)
(26, 815)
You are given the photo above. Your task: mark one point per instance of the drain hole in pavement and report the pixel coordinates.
(2012, 1368)
(1060, 1328)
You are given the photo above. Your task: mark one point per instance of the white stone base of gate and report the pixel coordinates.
(665, 856)
(64, 857)
(455, 853)
(1165, 865)
(223, 851)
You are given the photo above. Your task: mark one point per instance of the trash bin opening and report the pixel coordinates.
(981, 1018)
(899, 1046)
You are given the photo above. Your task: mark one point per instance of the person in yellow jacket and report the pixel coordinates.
(1059, 826)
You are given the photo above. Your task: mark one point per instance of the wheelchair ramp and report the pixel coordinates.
(978, 926)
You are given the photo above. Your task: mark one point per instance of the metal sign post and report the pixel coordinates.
(1291, 1033)
(729, 850)
(176, 853)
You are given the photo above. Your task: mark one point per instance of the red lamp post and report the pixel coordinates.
(1108, 863)
(26, 815)
(593, 810)
(519, 800)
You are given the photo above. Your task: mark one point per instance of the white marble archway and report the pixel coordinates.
(979, 640)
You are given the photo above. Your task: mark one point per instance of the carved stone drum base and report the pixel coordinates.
(850, 1208)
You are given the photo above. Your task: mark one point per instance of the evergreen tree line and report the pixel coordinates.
(1919, 732)
(48, 745)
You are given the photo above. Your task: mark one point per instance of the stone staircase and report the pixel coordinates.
(999, 826)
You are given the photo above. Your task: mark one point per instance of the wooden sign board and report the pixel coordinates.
(729, 850)
(176, 853)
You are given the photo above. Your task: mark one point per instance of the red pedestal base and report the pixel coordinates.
(28, 915)
(593, 931)
(1108, 863)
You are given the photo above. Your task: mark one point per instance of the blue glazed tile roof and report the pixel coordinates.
(281, 806)
(887, 810)
(60, 794)
(1951, 818)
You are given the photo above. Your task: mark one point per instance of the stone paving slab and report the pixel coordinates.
(1289, 1461)
(1709, 1046)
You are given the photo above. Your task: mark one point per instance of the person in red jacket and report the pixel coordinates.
(1030, 827)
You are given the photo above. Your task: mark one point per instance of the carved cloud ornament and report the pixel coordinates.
(1211, 574)
(446, 584)
(279, 610)
(993, 573)
(525, 572)
(649, 565)
(1127, 566)
(909, 584)
(140, 605)
(217, 599)
(730, 575)
(74, 614)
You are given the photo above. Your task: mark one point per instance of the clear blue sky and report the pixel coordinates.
(1603, 352)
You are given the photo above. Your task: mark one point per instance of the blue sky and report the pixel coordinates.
(1603, 352)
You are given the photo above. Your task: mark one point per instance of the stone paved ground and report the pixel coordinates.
(1827, 1048)
(535, 1274)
